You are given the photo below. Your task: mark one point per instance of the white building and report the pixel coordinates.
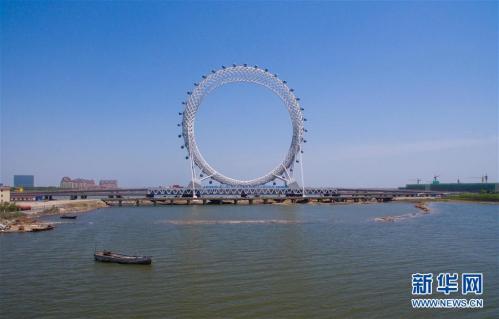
(4, 194)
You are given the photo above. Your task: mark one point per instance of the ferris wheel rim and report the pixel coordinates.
(241, 74)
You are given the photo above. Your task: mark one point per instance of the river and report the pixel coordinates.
(272, 261)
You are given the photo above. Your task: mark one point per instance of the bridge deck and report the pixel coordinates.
(218, 192)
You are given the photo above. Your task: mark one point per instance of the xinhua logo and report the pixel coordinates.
(472, 283)
(447, 284)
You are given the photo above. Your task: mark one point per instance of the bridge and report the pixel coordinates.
(223, 193)
(77, 193)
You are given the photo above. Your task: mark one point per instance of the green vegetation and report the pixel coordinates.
(51, 210)
(9, 211)
(481, 197)
(8, 207)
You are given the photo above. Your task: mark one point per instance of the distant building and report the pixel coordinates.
(4, 194)
(24, 181)
(78, 183)
(108, 183)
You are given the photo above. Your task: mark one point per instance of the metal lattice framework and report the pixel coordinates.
(207, 192)
(248, 74)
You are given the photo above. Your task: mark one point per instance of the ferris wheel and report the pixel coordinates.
(239, 74)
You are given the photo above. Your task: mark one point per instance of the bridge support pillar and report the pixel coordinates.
(265, 200)
(120, 203)
(250, 201)
(204, 201)
(188, 202)
(154, 203)
(235, 201)
(137, 202)
(171, 201)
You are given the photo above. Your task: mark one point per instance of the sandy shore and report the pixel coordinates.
(414, 199)
(28, 222)
(61, 206)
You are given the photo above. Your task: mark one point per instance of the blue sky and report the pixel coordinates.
(392, 91)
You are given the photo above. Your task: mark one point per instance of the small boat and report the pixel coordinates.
(110, 257)
(42, 228)
(69, 216)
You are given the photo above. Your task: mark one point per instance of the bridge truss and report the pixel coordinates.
(243, 191)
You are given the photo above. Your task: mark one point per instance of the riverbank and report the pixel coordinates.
(476, 197)
(27, 220)
(15, 221)
(24, 225)
(492, 199)
(56, 207)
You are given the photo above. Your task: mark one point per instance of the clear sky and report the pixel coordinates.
(392, 91)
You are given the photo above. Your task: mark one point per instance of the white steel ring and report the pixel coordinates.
(249, 74)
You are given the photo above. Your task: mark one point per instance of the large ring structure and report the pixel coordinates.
(248, 74)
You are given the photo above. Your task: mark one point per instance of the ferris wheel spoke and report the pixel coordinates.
(243, 74)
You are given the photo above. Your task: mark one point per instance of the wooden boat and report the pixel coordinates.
(69, 216)
(42, 228)
(110, 257)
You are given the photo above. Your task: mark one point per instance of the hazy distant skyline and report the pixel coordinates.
(392, 91)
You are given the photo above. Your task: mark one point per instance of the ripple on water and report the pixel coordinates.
(232, 222)
(304, 261)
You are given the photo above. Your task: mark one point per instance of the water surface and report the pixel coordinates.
(296, 261)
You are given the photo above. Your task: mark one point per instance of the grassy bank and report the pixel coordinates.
(11, 215)
(482, 197)
(9, 211)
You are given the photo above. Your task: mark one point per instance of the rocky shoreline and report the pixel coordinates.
(422, 206)
(24, 225)
(27, 221)
(65, 207)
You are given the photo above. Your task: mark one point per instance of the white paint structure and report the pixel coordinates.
(248, 74)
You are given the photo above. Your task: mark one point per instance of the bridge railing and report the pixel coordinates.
(220, 192)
